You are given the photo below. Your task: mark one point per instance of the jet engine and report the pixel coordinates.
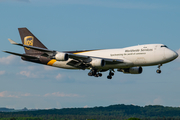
(132, 70)
(61, 56)
(98, 63)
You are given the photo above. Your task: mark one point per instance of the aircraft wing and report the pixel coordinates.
(82, 61)
(76, 56)
(83, 57)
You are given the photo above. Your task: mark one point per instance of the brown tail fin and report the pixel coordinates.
(29, 39)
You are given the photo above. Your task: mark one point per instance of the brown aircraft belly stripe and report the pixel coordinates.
(51, 62)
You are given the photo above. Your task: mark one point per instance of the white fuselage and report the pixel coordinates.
(141, 55)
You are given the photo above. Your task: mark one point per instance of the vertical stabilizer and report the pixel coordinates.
(29, 39)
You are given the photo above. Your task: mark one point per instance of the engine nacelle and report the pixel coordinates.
(61, 56)
(132, 70)
(98, 63)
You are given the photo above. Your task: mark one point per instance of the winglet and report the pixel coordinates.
(12, 42)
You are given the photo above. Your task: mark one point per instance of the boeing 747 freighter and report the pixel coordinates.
(127, 60)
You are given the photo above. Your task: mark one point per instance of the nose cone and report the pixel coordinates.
(170, 54)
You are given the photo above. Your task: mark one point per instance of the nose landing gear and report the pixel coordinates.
(159, 70)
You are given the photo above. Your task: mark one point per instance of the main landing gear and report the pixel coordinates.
(159, 69)
(94, 73)
(110, 74)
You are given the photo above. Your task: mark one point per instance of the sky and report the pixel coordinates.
(66, 25)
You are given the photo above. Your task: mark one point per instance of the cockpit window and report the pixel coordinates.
(164, 46)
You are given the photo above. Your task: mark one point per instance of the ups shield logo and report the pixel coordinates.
(28, 40)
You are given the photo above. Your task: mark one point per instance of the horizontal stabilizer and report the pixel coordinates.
(32, 47)
(23, 55)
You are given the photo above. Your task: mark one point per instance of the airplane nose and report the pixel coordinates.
(176, 55)
(170, 54)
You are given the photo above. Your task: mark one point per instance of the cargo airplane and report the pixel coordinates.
(127, 60)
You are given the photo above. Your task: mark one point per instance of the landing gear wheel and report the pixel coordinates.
(158, 71)
(90, 74)
(100, 74)
(94, 71)
(109, 77)
(96, 75)
(112, 74)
